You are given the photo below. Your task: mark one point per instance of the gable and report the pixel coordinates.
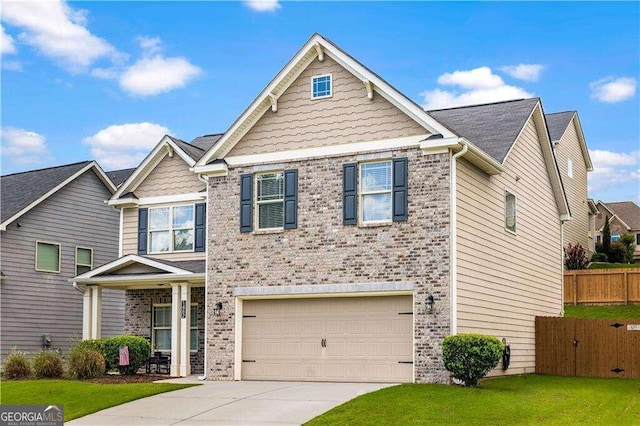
(170, 177)
(348, 116)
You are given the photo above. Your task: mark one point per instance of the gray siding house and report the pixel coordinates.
(55, 224)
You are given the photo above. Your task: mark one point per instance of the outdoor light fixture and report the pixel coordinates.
(430, 304)
(217, 308)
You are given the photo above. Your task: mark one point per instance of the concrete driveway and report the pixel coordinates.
(232, 403)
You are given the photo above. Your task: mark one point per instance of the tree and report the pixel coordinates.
(575, 257)
(629, 244)
(606, 236)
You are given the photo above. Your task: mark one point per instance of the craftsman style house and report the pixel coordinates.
(338, 232)
(55, 225)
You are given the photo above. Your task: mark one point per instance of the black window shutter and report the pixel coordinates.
(400, 206)
(246, 203)
(350, 194)
(291, 199)
(143, 226)
(201, 220)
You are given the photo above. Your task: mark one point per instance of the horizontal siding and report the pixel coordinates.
(37, 303)
(348, 116)
(170, 177)
(505, 280)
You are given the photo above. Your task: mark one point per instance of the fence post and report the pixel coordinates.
(575, 288)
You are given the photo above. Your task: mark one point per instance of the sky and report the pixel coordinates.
(106, 80)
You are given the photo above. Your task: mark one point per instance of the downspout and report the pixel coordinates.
(562, 222)
(453, 246)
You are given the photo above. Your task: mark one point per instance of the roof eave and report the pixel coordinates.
(474, 155)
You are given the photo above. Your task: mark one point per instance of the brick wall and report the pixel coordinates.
(138, 317)
(323, 251)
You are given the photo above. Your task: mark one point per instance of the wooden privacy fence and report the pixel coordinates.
(613, 286)
(588, 347)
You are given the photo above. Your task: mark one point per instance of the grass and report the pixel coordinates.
(522, 400)
(604, 265)
(79, 398)
(604, 311)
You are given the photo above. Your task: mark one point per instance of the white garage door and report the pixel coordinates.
(352, 339)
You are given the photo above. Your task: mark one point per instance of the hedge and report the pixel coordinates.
(469, 357)
(139, 351)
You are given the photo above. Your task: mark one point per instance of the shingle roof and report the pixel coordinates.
(558, 122)
(627, 211)
(19, 190)
(205, 142)
(192, 151)
(195, 266)
(491, 127)
(119, 176)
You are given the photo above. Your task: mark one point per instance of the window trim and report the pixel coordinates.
(507, 192)
(59, 257)
(330, 95)
(362, 194)
(78, 264)
(256, 203)
(171, 229)
(164, 305)
(617, 234)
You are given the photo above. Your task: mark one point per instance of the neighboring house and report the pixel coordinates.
(346, 232)
(624, 218)
(55, 224)
(574, 163)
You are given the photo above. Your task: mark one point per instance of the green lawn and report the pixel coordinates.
(78, 398)
(604, 265)
(523, 400)
(606, 311)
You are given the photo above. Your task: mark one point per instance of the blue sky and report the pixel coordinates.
(104, 80)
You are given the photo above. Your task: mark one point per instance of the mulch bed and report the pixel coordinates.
(136, 378)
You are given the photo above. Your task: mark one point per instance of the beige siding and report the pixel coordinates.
(347, 116)
(577, 229)
(170, 177)
(505, 280)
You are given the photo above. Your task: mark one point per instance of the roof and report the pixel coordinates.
(492, 127)
(119, 176)
(20, 190)
(195, 266)
(192, 151)
(205, 142)
(626, 211)
(558, 122)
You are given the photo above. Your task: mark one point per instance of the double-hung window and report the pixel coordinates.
(321, 86)
(270, 200)
(171, 229)
(161, 328)
(47, 257)
(84, 260)
(376, 192)
(510, 212)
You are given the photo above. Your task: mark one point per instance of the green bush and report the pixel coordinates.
(139, 350)
(85, 363)
(17, 366)
(469, 357)
(599, 257)
(48, 364)
(617, 253)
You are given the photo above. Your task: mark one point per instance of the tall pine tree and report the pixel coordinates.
(606, 237)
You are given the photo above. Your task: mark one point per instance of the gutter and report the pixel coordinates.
(453, 239)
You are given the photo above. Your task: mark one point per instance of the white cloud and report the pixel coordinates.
(480, 85)
(612, 170)
(263, 5)
(58, 32)
(12, 65)
(124, 145)
(152, 76)
(150, 45)
(612, 90)
(22, 147)
(6, 43)
(526, 72)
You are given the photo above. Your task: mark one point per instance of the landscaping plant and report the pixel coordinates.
(575, 257)
(139, 350)
(48, 365)
(85, 363)
(469, 357)
(17, 366)
(606, 236)
(629, 243)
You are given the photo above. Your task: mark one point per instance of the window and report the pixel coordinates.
(84, 260)
(597, 239)
(270, 200)
(171, 229)
(570, 167)
(47, 257)
(638, 239)
(321, 86)
(161, 328)
(375, 192)
(510, 212)
(615, 237)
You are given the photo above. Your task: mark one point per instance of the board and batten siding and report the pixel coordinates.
(577, 229)
(170, 177)
(38, 303)
(347, 116)
(505, 280)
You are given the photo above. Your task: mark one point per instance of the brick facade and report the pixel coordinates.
(138, 305)
(324, 251)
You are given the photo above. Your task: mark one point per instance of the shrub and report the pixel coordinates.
(469, 357)
(85, 363)
(606, 236)
(617, 253)
(575, 257)
(48, 364)
(629, 244)
(599, 257)
(17, 366)
(139, 350)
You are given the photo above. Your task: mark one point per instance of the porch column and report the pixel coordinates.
(96, 312)
(176, 311)
(86, 314)
(185, 329)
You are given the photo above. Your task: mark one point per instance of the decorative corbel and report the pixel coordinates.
(274, 102)
(170, 150)
(369, 87)
(319, 51)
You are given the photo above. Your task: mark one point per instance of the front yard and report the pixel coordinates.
(78, 398)
(523, 400)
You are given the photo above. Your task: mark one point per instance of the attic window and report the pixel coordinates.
(321, 86)
(510, 212)
(570, 167)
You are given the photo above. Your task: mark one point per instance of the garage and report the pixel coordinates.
(338, 339)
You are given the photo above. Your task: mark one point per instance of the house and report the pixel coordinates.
(338, 232)
(55, 225)
(574, 164)
(624, 218)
